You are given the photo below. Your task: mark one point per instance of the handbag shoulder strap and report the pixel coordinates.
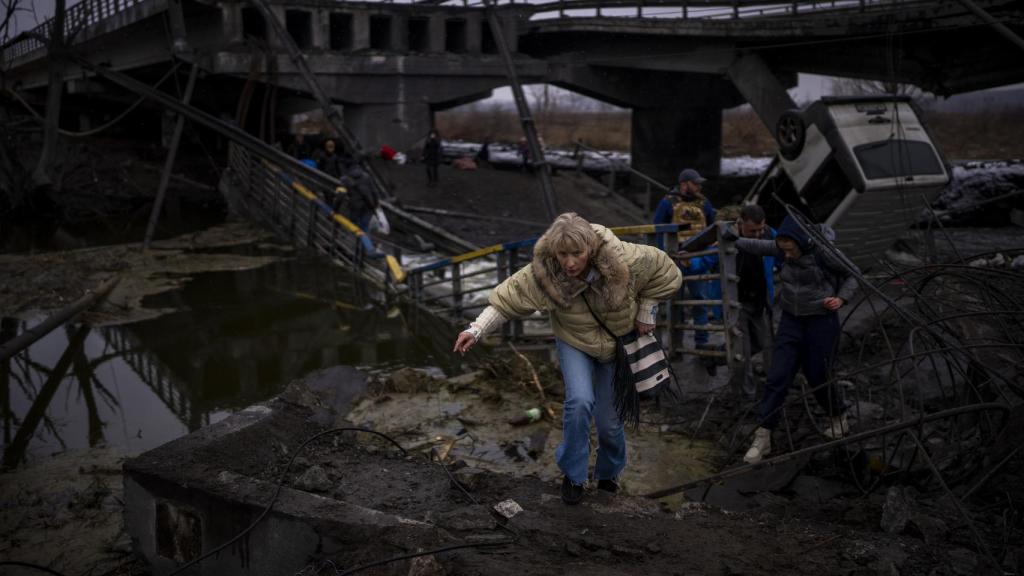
(598, 318)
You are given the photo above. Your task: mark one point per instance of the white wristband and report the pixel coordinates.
(474, 331)
(647, 312)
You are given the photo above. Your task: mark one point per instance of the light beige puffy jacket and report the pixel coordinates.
(632, 278)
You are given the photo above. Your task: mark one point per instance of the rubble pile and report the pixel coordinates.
(932, 365)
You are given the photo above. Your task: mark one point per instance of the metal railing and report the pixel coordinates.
(299, 211)
(708, 10)
(77, 18)
(457, 287)
(90, 12)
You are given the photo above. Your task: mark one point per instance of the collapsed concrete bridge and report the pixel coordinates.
(675, 65)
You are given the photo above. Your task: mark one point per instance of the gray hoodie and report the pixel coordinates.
(808, 280)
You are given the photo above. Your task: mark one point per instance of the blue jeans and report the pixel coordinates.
(588, 393)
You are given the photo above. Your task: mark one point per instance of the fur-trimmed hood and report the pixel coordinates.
(608, 260)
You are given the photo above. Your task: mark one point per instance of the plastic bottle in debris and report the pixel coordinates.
(530, 416)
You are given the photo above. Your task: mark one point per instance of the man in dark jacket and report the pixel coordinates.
(755, 293)
(432, 156)
(362, 199)
(814, 286)
(329, 162)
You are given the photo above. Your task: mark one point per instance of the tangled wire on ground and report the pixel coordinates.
(933, 369)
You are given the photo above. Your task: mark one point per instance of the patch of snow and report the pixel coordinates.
(975, 181)
(593, 160)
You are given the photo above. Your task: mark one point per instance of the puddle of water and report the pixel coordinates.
(235, 338)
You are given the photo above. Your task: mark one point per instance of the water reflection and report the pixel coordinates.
(233, 339)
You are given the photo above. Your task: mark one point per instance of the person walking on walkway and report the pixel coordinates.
(578, 266)
(432, 156)
(362, 198)
(814, 286)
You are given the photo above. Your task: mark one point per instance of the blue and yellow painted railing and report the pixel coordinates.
(398, 274)
(521, 244)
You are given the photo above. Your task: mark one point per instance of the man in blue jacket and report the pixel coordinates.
(687, 205)
(755, 293)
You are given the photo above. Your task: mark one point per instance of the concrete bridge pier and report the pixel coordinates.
(400, 125)
(676, 116)
(666, 139)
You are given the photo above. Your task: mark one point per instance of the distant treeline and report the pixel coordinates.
(978, 132)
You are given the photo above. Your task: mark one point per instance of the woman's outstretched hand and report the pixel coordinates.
(644, 329)
(464, 342)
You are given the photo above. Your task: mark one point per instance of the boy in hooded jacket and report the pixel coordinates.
(814, 285)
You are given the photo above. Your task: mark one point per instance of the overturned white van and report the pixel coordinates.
(863, 165)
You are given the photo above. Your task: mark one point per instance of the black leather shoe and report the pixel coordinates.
(608, 485)
(572, 493)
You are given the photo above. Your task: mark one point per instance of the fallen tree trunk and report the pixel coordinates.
(25, 339)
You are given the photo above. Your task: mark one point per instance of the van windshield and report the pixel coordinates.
(895, 158)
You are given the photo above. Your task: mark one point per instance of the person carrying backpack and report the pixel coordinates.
(814, 285)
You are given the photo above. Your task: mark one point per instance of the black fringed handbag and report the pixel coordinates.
(642, 371)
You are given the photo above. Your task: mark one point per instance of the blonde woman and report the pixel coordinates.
(623, 283)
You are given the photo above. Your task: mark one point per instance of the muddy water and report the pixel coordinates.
(468, 418)
(232, 339)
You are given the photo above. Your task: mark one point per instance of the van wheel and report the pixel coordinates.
(790, 131)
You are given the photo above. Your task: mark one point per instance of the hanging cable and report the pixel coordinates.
(99, 129)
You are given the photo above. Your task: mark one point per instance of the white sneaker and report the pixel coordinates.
(837, 427)
(761, 447)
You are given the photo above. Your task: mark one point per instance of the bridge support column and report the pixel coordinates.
(474, 33)
(436, 26)
(667, 139)
(399, 125)
(231, 16)
(399, 33)
(360, 30)
(272, 38)
(321, 30)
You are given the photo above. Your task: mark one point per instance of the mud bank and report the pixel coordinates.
(67, 513)
(47, 281)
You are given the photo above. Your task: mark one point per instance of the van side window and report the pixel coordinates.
(895, 158)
